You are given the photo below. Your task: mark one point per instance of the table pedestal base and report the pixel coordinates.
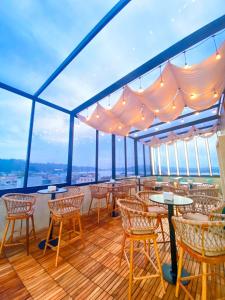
(54, 243)
(114, 214)
(170, 277)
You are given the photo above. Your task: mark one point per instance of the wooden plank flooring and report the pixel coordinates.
(91, 272)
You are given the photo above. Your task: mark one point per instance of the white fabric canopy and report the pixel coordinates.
(197, 87)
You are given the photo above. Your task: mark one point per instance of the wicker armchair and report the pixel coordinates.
(201, 207)
(140, 226)
(218, 213)
(71, 191)
(19, 207)
(212, 192)
(99, 193)
(205, 242)
(65, 210)
(152, 207)
(132, 183)
(149, 185)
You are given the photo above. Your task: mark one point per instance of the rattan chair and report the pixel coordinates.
(212, 192)
(132, 183)
(65, 210)
(152, 207)
(140, 226)
(149, 185)
(205, 242)
(99, 193)
(201, 207)
(19, 207)
(71, 191)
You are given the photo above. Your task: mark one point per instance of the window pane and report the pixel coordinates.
(163, 160)
(140, 158)
(202, 156)
(83, 153)
(172, 159)
(105, 156)
(49, 150)
(147, 160)
(155, 161)
(192, 157)
(120, 157)
(130, 157)
(213, 154)
(14, 128)
(181, 158)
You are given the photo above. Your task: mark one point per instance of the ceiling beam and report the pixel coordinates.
(177, 127)
(87, 39)
(187, 42)
(32, 97)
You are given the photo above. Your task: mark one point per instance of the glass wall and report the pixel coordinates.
(172, 159)
(181, 158)
(203, 158)
(140, 159)
(104, 156)
(49, 149)
(84, 150)
(192, 157)
(213, 154)
(130, 157)
(163, 159)
(147, 160)
(14, 128)
(120, 157)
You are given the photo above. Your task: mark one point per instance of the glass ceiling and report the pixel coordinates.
(36, 36)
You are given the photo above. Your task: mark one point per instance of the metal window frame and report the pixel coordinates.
(208, 156)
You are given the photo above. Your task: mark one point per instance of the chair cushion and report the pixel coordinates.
(157, 209)
(195, 217)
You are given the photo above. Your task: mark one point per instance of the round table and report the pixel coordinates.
(112, 186)
(170, 270)
(52, 193)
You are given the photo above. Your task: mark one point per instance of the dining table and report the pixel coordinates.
(170, 270)
(53, 242)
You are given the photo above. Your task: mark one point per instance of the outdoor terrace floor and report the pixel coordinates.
(90, 273)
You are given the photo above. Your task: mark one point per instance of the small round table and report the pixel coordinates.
(52, 193)
(170, 270)
(112, 187)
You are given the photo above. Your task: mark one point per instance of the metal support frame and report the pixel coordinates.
(113, 156)
(208, 156)
(197, 156)
(167, 160)
(176, 158)
(70, 151)
(125, 155)
(96, 155)
(152, 150)
(186, 158)
(144, 160)
(150, 160)
(135, 158)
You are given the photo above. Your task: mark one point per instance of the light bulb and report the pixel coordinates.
(143, 118)
(174, 106)
(168, 122)
(157, 110)
(161, 83)
(123, 102)
(197, 113)
(186, 66)
(218, 56)
(215, 94)
(119, 127)
(193, 96)
(140, 90)
(97, 116)
(156, 129)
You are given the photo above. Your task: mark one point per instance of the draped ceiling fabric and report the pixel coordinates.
(187, 136)
(197, 87)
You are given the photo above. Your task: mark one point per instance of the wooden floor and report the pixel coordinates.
(90, 273)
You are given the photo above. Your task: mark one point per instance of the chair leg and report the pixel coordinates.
(81, 230)
(122, 248)
(59, 240)
(161, 226)
(27, 236)
(90, 206)
(180, 263)
(4, 235)
(159, 264)
(12, 231)
(48, 236)
(33, 227)
(204, 281)
(131, 269)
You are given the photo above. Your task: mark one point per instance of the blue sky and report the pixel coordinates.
(36, 36)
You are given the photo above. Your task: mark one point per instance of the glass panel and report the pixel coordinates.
(155, 161)
(49, 150)
(213, 154)
(181, 158)
(163, 160)
(130, 157)
(140, 159)
(172, 159)
(83, 153)
(120, 157)
(147, 160)
(192, 157)
(202, 155)
(104, 156)
(14, 128)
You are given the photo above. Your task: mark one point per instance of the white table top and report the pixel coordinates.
(178, 200)
(46, 191)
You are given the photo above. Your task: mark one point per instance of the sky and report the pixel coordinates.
(36, 36)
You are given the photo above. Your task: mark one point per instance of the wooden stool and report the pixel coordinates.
(99, 193)
(140, 226)
(19, 207)
(65, 210)
(205, 242)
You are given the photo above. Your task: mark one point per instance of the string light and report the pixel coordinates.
(215, 94)
(218, 56)
(197, 113)
(157, 110)
(124, 101)
(161, 79)
(168, 122)
(119, 127)
(186, 66)
(140, 90)
(193, 96)
(173, 105)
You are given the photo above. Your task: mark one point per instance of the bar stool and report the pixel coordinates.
(19, 207)
(139, 226)
(65, 210)
(99, 193)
